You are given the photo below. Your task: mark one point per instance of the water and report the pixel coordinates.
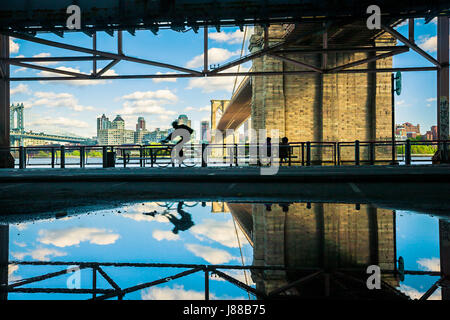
(291, 235)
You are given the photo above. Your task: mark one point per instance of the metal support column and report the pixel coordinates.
(6, 159)
(444, 246)
(443, 78)
(205, 49)
(4, 255)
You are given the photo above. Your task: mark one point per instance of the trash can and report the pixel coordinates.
(110, 159)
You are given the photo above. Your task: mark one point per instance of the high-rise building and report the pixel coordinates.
(114, 132)
(205, 132)
(103, 123)
(140, 125)
(183, 119)
(118, 123)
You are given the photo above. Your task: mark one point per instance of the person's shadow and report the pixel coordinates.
(180, 224)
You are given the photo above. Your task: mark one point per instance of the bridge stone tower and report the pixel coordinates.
(321, 107)
(324, 236)
(16, 122)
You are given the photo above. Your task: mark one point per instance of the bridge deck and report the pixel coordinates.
(419, 188)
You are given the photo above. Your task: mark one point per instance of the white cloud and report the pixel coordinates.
(201, 109)
(165, 95)
(165, 235)
(52, 99)
(431, 99)
(416, 294)
(40, 254)
(76, 83)
(136, 212)
(219, 231)
(215, 56)
(401, 103)
(76, 235)
(158, 80)
(211, 255)
(13, 46)
(52, 123)
(21, 88)
(176, 293)
(211, 84)
(141, 107)
(429, 44)
(433, 264)
(20, 244)
(12, 268)
(148, 102)
(228, 37)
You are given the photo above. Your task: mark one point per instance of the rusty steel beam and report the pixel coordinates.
(410, 44)
(106, 68)
(223, 74)
(343, 49)
(364, 61)
(42, 68)
(443, 79)
(100, 53)
(122, 292)
(53, 59)
(297, 63)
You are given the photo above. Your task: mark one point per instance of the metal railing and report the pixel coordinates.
(293, 154)
(116, 291)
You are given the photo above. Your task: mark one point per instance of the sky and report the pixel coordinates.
(73, 106)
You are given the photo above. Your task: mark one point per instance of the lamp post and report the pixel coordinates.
(396, 85)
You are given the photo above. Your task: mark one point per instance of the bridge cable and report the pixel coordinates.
(239, 66)
(242, 256)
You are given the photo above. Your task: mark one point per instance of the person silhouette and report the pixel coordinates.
(284, 150)
(183, 223)
(177, 126)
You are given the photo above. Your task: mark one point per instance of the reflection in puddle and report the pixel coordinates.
(295, 250)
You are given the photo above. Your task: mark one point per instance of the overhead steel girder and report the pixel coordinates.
(51, 15)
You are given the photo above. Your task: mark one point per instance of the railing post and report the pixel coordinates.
(303, 153)
(151, 157)
(338, 153)
(104, 156)
(141, 153)
(82, 156)
(444, 152)
(357, 153)
(204, 156)
(408, 152)
(206, 284)
(124, 157)
(63, 157)
(308, 153)
(22, 161)
(289, 154)
(53, 157)
(236, 154)
(372, 153)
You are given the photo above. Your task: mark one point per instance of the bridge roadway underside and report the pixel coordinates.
(34, 192)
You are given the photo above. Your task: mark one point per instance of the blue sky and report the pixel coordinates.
(72, 107)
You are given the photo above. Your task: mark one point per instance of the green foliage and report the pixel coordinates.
(418, 149)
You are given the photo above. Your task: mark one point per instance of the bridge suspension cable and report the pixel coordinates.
(239, 66)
